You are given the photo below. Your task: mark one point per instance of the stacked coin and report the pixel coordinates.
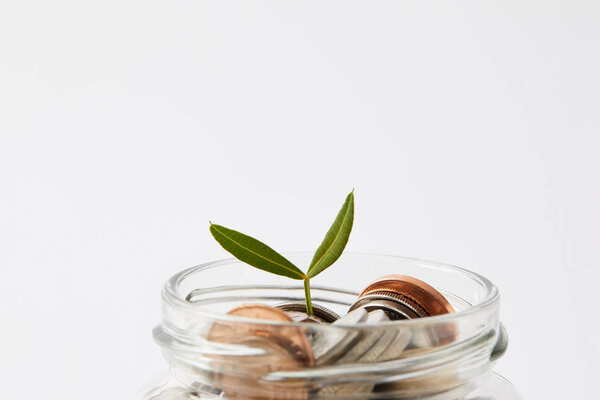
(405, 297)
(282, 347)
(390, 298)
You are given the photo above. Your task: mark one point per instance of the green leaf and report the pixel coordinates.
(254, 252)
(335, 240)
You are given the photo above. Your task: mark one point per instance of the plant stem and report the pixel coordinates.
(309, 309)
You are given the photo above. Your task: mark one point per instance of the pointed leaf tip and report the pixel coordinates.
(254, 252)
(335, 240)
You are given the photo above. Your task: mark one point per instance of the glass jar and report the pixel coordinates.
(450, 356)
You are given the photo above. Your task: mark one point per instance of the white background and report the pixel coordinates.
(469, 130)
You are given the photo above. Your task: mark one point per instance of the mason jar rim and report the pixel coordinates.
(171, 296)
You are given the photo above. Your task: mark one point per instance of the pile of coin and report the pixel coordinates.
(288, 347)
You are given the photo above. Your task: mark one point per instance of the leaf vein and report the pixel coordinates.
(257, 254)
(334, 239)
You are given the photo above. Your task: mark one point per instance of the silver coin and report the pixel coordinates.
(379, 348)
(396, 309)
(401, 340)
(331, 345)
(298, 316)
(348, 388)
(399, 310)
(369, 348)
(367, 340)
(297, 311)
(423, 338)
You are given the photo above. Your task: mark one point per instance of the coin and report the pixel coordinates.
(281, 348)
(297, 311)
(367, 340)
(290, 337)
(394, 308)
(398, 346)
(414, 294)
(405, 297)
(331, 344)
(372, 344)
(241, 379)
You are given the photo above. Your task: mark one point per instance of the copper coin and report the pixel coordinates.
(292, 338)
(422, 296)
(241, 379)
(284, 348)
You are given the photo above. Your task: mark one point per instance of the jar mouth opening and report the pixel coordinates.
(175, 296)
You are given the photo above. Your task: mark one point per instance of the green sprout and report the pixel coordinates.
(261, 256)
